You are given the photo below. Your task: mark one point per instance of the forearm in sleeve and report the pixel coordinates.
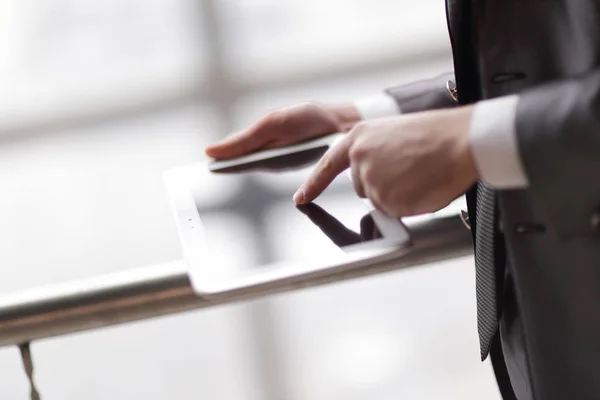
(558, 138)
(427, 94)
(546, 139)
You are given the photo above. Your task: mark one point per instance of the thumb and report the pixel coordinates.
(235, 145)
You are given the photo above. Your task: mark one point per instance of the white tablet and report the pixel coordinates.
(336, 232)
(291, 156)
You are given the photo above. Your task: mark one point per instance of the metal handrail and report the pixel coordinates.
(165, 289)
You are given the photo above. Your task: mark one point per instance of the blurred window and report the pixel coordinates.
(75, 56)
(273, 36)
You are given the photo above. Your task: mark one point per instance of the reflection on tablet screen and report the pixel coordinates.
(339, 234)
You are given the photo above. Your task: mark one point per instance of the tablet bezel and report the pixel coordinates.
(261, 155)
(192, 234)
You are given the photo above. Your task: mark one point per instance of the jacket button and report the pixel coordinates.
(452, 91)
(503, 77)
(464, 217)
(523, 229)
(595, 221)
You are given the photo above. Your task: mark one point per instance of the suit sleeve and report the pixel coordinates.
(424, 95)
(558, 138)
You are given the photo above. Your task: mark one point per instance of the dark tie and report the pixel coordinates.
(485, 274)
(459, 17)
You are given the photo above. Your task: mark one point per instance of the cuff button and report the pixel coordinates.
(452, 90)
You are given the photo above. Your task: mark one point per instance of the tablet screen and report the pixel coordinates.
(253, 209)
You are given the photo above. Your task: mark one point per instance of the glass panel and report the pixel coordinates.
(66, 55)
(409, 335)
(199, 355)
(14, 383)
(272, 36)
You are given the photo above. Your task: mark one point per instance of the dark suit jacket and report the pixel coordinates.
(548, 254)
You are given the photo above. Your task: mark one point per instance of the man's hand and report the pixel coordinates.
(287, 126)
(406, 165)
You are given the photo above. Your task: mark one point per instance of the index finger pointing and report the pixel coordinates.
(333, 162)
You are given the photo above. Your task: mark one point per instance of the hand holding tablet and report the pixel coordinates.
(283, 158)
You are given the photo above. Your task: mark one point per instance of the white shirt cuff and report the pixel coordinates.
(493, 140)
(378, 106)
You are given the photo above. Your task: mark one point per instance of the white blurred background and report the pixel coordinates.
(98, 98)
